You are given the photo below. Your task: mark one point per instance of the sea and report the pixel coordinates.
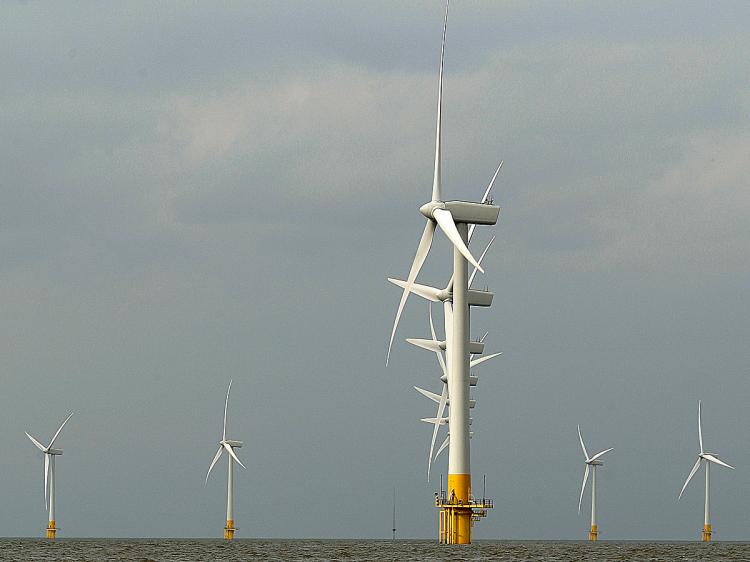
(216, 550)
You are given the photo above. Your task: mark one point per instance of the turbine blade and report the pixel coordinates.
(716, 460)
(213, 462)
(431, 395)
(59, 429)
(46, 478)
(231, 454)
(583, 487)
(486, 195)
(445, 222)
(226, 405)
(439, 352)
(700, 431)
(441, 409)
(583, 447)
(436, 196)
(448, 319)
(35, 442)
(473, 273)
(475, 362)
(429, 345)
(424, 247)
(443, 446)
(596, 456)
(696, 466)
(424, 291)
(441, 421)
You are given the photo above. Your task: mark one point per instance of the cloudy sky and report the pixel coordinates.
(193, 192)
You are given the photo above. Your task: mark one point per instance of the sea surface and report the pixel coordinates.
(168, 550)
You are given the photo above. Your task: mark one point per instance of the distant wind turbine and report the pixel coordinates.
(227, 445)
(591, 464)
(49, 474)
(706, 459)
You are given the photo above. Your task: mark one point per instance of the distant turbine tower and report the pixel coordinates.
(592, 463)
(49, 474)
(227, 445)
(707, 459)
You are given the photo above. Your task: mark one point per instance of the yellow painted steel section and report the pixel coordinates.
(459, 489)
(51, 530)
(594, 533)
(229, 530)
(706, 534)
(460, 485)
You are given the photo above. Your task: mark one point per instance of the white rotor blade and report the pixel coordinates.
(696, 466)
(431, 395)
(700, 431)
(213, 462)
(424, 291)
(583, 447)
(436, 196)
(226, 405)
(583, 487)
(486, 195)
(473, 273)
(475, 362)
(441, 409)
(445, 222)
(443, 446)
(429, 345)
(35, 442)
(439, 352)
(231, 453)
(596, 456)
(59, 429)
(716, 460)
(424, 247)
(46, 477)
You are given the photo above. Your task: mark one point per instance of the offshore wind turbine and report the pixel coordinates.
(49, 474)
(228, 446)
(454, 219)
(591, 463)
(706, 459)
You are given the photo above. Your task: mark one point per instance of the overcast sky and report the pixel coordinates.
(196, 192)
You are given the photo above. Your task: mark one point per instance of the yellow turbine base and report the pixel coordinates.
(706, 534)
(229, 530)
(593, 533)
(51, 530)
(456, 521)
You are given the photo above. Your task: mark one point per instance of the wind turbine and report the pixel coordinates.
(454, 219)
(49, 474)
(228, 446)
(591, 463)
(706, 459)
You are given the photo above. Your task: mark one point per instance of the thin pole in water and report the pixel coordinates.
(394, 514)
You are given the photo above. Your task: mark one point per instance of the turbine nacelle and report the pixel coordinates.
(231, 443)
(476, 297)
(463, 211)
(473, 379)
(55, 452)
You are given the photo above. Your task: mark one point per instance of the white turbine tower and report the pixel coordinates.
(227, 445)
(591, 464)
(442, 400)
(453, 218)
(706, 459)
(49, 474)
